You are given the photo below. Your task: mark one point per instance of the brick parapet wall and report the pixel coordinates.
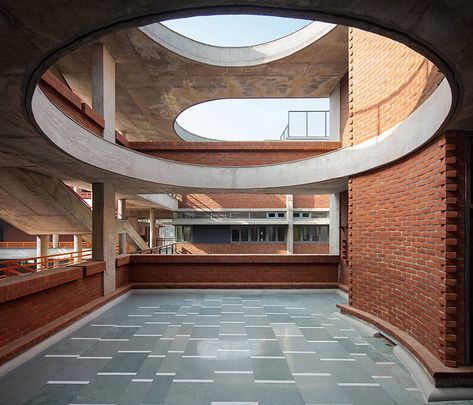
(234, 153)
(250, 248)
(234, 271)
(31, 304)
(405, 257)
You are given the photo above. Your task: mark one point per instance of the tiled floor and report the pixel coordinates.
(214, 348)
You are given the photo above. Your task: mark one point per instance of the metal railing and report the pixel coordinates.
(302, 125)
(32, 245)
(168, 249)
(18, 267)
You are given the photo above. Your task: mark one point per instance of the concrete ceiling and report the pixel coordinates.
(35, 35)
(154, 85)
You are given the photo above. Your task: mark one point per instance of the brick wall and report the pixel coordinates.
(212, 201)
(29, 303)
(344, 265)
(229, 201)
(231, 248)
(13, 234)
(387, 81)
(234, 271)
(310, 201)
(234, 153)
(405, 254)
(311, 248)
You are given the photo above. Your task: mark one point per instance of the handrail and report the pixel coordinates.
(286, 134)
(80, 198)
(168, 249)
(32, 245)
(16, 267)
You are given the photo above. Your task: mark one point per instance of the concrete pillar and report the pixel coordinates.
(122, 236)
(334, 123)
(290, 223)
(42, 243)
(334, 228)
(78, 247)
(103, 231)
(152, 228)
(55, 241)
(103, 88)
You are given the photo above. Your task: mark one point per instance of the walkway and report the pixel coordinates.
(214, 348)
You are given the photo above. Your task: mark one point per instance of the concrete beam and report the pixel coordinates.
(103, 88)
(103, 231)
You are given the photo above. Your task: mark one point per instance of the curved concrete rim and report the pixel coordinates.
(237, 56)
(189, 136)
(417, 129)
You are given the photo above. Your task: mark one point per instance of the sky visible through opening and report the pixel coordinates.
(240, 119)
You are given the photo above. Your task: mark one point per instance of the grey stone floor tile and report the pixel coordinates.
(228, 348)
(158, 390)
(55, 395)
(265, 348)
(187, 393)
(271, 369)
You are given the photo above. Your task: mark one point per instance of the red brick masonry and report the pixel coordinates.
(234, 271)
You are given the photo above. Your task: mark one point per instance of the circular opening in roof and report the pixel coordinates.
(235, 30)
(255, 119)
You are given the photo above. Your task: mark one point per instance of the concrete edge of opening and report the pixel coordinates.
(421, 376)
(242, 56)
(322, 172)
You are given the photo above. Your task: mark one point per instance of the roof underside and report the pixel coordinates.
(154, 85)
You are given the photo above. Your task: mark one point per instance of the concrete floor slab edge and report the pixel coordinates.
(416, 369)
(35, 350)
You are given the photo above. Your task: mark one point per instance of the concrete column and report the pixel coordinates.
(78, 247)
(103, 88)
(122, 236)
(152, 228)
(55, 241)
(103, 231)
(290, 223)
(334, 229)
(334, 123)
(42, 243)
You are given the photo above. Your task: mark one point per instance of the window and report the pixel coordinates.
(258, 233)
(275, 215)
(184, 233)
(235, 234)
(311, 233)
(281, 233)
(244, 234)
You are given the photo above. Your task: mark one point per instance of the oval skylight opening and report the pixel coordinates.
(255, 120)
(235, 30)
